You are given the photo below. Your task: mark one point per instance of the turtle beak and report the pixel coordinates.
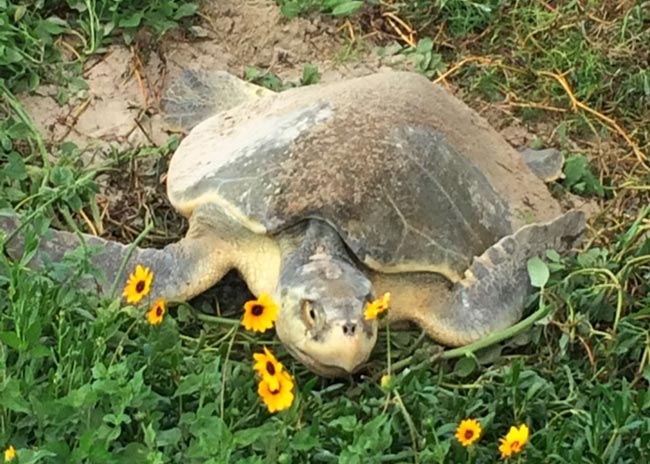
(338, 349)
(346, 344)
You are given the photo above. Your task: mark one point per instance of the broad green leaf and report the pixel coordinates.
(12, 398)
(61, 176)
(465, 366)
(186, 9)
(10, 339)
(538, 272)
(168, 437)
(190, 384)
(132, 21)
(19, 12)
(347, 8)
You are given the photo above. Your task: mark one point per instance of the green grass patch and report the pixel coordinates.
(52, 38)
(87, 380)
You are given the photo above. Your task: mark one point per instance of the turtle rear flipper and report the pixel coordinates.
(492, 295)
(197, 95)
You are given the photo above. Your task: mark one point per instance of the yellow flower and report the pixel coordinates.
(386, 381)
(139, 284)
(260, 314)
(468, 431)
(157, 312)
(374, 309)
(514, 441)
(268, 368)
(277, 397)
(10, 454)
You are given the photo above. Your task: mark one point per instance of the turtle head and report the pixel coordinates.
(321, 319)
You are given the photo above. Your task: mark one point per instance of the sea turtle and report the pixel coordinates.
(327, 196)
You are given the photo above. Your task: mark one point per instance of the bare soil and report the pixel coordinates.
(121, 105)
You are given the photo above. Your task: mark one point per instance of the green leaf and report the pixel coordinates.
(538, 272)
(579, 178)
(186, 9)
(553, 256)
(132, 21)
(489, 355)
(33, 333)
(310, 75)
(190, 384)
(15, 167)
(347, 8)
(40, 351)
(12, 398)
(30, 456)
(19, 12)
(61, 176)
(465, 366)
(304, 440)
(290, 10)
(575, 167)
(10, 339)
(168, 437)
(424, 45)
(13, 194)
(19, 130)
(247, 437)
(52, 26)
(9, 56)
(347, 423)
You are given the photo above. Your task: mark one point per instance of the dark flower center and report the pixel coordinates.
(270, 368)
(515, 444)
(257, 310)
(159, 311)
(139, 287)
(469, 434)
(275, 392)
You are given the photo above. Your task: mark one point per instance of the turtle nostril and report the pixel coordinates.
(349, 328)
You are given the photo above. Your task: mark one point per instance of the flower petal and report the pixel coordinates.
(468, 432)
(156, 314)
(280, 398)
(377, 307)
(138, 284)
(260, 314)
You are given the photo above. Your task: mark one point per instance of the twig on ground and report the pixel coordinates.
(577, 104)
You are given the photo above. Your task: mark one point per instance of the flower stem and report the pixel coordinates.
(217, 320)
(388, 362)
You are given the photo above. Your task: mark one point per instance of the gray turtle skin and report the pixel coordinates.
(328, 196)
(410, 177)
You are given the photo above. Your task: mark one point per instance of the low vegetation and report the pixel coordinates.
(85, 379)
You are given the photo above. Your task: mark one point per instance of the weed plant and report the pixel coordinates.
(86, 380)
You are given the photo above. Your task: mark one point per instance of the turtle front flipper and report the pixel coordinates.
(212, 246)
(492, 295)
(197, 95)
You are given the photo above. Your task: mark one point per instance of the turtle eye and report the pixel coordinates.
(309, 313)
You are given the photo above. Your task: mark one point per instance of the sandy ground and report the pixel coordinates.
(121, 105)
